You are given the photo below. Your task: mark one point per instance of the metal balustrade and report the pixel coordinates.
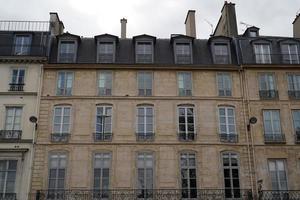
(16, 87)
(268, 94)
(274, 138)
(60, 137)
(144, 136)
(8, 196)
(100, 137)
(10, 135)
(279, 195)
(37, 26)
(229, 138)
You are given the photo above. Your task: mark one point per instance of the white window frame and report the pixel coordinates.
(104, 109)
(25, 50)
(99, 43)
(188, 155)
(266, 78)
(63, 107)
(225, 87)
(141, 78)
(222, 53)
(185, 83)
(145, 133)
(60, 156)
(144, 43)
(107, 75)
(18, 75)
(226, 108)
(102, 156)
(272, 122)
(13, 117)
(59, 50)
(185, 107)
(262, 57)
(183, 53)
(65, 88)
(290, 56)
(295, 84)
(4, 192)
(296, 121)
(278, 181)
(145, 154)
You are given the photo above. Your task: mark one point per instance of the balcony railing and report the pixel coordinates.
(144, 137)
(274, 138)
(16, 87)
(38, 26)
(272, 59)
(60, 137)
(10, 134)
(23, 50)
(279, 195)
(229, 138)
(186, 136)
(268, 94)
(8, 196)
(141, 194)
(294, 94)
(102, 137)
(297, 137)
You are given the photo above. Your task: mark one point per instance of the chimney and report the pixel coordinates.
(56, 26)
(296, 26)
(227, 25)
(123, 28)
(190, 24)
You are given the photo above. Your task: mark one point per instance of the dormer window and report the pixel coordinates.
(290, 53)
(221, 53)
(253, 33)
(144, 52)
(22, 44)
(106, 52)
(67, 51)
(262, 53)
(183, 53)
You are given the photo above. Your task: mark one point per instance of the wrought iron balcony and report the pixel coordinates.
(274, 138)
(187, 136)
(294, 94)
(279, 195)
(268, 94)
(102, 137)
(10, 134)
(8, 196)
(16, 87)
(229, 138)
(145, 137)
(297, 137)
(23, 50)
(142, 194)
(60, 137)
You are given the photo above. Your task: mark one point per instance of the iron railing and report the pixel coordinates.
(36, 26)
(272, 59)
(279, 195)
(228, 137)
(10, 134)
(274, 138)
(101, 137)
(8, 196)
(23, 50)
(16, 87)
(294, 94)
(60, 137)
(140, 194)
(268, 94)
(145, 136)
(186, 136)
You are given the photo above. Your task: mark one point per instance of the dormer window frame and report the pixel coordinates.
(213, 50)
(62, 40)
(28, 49)
(253, 33)
(103, 41)
(297, 55)
(151, 42)
(266, 58)
(183, 41)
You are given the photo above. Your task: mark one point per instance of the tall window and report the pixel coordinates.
(145, 123)
(144, 52)
(13, 118)
(102, 164)
(267, 86)
(290, 53)
(106, 52)
(185, 83)
(17, 79)
(262, 53)
(144, 83)
(224, 84)
(65, 83)
(188, 175)
(62, 120)
(103, 123)
(231, 175)
(294, 85)
(8, 172)
(22, 45)
(296, 122)
(67, 52)
(186, 121)
(278, 174)
(145, 175)
(105, 83)
(221, 54)
(183, 53)
(227, 124)
(272, 127)
(57, 173)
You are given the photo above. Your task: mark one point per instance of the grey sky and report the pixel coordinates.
(155, 17)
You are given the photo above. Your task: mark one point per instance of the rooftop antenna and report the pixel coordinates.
(211, 25)
(245, 25)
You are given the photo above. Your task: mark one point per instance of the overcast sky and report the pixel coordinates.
(159, 18)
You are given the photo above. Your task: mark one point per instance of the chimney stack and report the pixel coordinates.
(190, 24)
(227, 25)
(123, 28)
(296, 26)
(56, 26)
